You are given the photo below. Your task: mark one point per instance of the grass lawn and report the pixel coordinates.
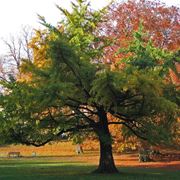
(47, 169)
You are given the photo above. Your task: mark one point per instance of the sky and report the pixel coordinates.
(14, 14)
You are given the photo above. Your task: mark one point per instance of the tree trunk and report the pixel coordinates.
(106, 161)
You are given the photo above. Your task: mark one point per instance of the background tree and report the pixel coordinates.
(160, 21)
(75, 92)
(2, 73)
(18, 50)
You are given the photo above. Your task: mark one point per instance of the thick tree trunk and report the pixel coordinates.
(106, 161)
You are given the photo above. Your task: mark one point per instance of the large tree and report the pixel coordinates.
(73, 91)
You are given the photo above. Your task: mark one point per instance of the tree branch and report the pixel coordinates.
(20, 136)
(134, 132)
(120, 123)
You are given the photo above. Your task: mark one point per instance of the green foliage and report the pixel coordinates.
(75, 91)
(80, 29)
(145, 56)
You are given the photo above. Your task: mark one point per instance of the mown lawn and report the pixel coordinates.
(46, 169)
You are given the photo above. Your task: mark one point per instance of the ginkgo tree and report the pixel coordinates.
(75, 92)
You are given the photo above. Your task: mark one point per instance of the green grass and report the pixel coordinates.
(46, 169)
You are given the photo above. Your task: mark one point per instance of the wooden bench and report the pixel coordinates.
(14, 154)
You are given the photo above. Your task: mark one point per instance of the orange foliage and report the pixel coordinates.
(175, 76)
(39, 47)
(161, 23)
(120, 143)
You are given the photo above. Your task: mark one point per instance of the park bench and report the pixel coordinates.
(14, 154)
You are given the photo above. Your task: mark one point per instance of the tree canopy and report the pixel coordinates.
(73, 91)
